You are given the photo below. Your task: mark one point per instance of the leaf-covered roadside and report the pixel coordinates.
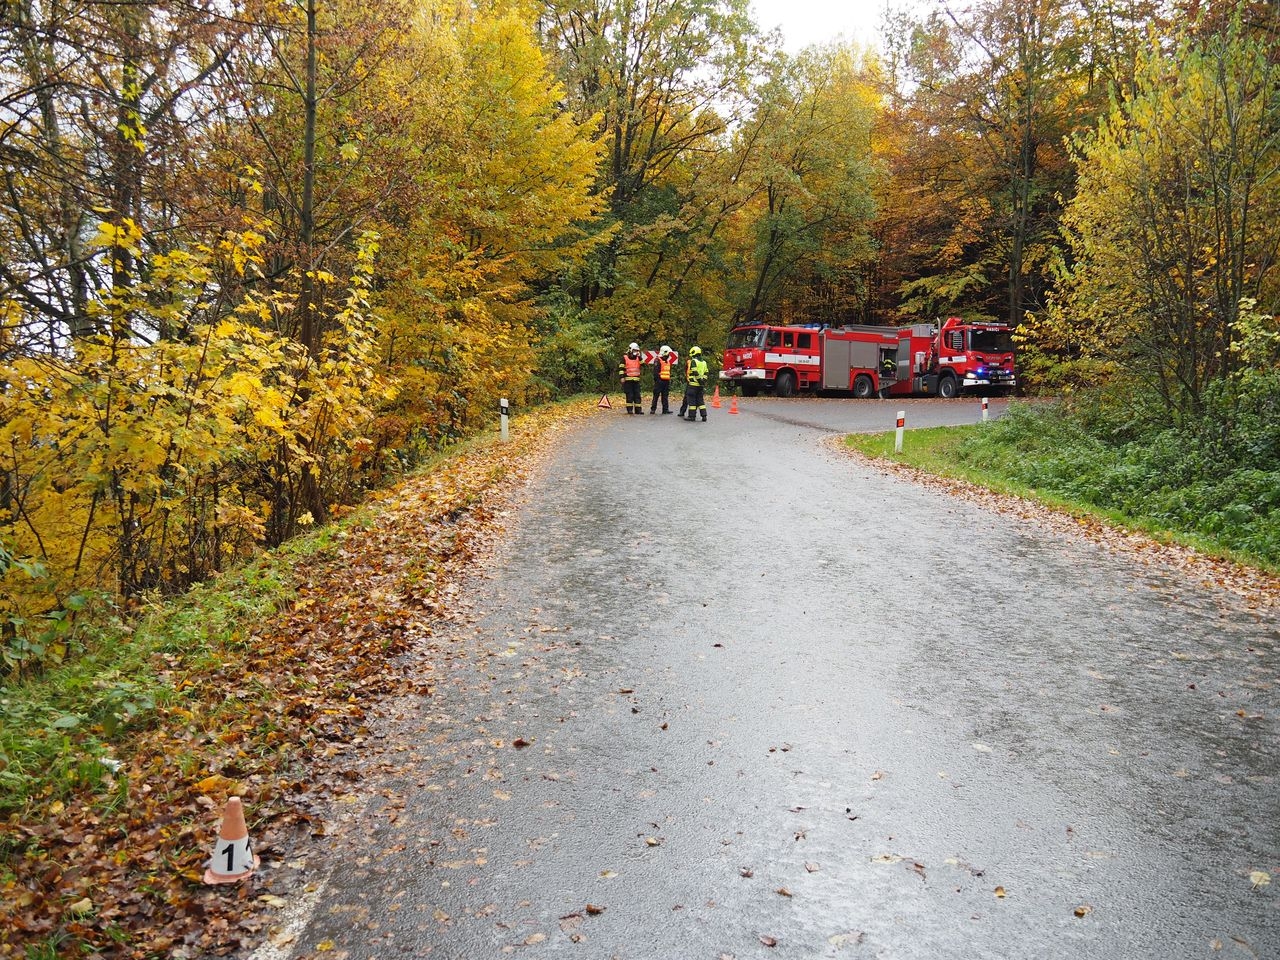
(1258, 587)
(114, 869)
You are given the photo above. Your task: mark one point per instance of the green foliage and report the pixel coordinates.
(1102, 455)
(575, 355)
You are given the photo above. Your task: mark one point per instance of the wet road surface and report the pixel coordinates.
(733, 695)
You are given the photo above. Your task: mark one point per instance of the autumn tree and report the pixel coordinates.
(803, 232)
(1177, 218)
(977, 156)
(100, 104)
(499, 202)
(661, 81)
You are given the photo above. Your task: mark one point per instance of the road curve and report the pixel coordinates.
(727, 694)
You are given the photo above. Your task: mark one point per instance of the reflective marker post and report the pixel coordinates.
(984, 409)
(902, 422)
(503, 415)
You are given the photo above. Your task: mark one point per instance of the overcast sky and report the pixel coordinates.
(805, 22)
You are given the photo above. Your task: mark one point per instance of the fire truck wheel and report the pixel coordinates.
(947, 387)
(786, 384)
(863, 388)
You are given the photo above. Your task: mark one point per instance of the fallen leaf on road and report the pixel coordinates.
(842, 940)
(1083, 910)
(1259, 879)
(1000, 892)
(812, 867)
(520, 743)
(594, 910)
(652, 842)
(768, 941)
(887, 858)
(533, 938)
(746, 872)
(783, 892)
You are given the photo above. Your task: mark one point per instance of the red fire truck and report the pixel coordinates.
(920, 360)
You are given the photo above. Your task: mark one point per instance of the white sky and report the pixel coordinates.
(805, 22)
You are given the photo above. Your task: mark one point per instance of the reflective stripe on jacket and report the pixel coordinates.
(630, 367)
(663, 369)
(697, 371)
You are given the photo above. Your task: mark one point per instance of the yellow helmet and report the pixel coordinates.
(695, 351)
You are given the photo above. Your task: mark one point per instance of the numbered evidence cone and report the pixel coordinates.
(733, 404)
(715, 400)
(232, 858)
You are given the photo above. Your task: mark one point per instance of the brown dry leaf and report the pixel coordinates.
(534, 938)
(594, 910)
(767, 940)
(520, 743)
(1083, 910)
(783, 892)
(1000, 892)
(812, 867)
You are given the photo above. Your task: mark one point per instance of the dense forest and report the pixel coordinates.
(259, 255)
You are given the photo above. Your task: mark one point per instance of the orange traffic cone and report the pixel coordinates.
(232, 859)
(715, 399)
(733, 404)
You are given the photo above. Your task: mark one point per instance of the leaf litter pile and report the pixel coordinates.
(263, 720)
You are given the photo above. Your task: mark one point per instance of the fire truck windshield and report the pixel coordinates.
(746, 337)
(991, 341)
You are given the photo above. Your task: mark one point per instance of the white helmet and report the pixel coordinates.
(634, 346)
(663, 350)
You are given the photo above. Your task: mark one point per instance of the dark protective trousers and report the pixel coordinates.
(661, 388)
(694, 400)
(631, 388)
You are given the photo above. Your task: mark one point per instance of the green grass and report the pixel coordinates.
(58, 728)
(1156, 482)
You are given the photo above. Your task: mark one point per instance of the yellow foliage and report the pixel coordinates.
(141, 465)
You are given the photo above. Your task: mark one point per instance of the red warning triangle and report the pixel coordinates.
(604, 403)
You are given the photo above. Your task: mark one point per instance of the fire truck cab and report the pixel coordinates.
(783, 359)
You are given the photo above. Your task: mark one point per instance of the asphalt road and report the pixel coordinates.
(733, 695)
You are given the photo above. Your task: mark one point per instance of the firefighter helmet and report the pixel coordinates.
(663, 350)
(634, 347)
(695, 351)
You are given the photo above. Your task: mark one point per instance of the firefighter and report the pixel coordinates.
(629, 370)
(695, 378)
(662, 365)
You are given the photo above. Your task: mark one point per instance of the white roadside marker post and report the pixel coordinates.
(902, 422)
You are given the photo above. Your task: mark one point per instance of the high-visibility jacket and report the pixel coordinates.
(663, 368)
(629, 367)
(697, 373)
